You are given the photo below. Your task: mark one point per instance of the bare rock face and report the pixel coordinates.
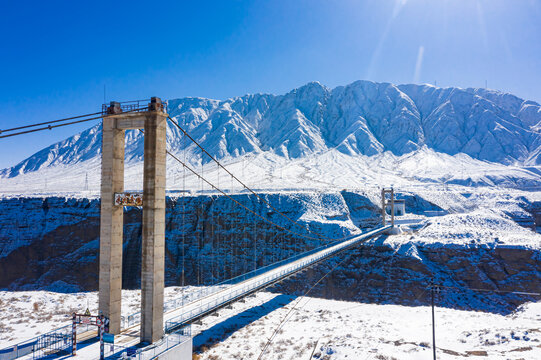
(376, 273)
(48, 243)
(53, 244)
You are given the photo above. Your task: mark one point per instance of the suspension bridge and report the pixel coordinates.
(163, 328)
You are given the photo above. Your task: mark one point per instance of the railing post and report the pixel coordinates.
(101, 330)
(73, 334)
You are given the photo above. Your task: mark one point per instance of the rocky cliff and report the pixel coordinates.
(53, 243)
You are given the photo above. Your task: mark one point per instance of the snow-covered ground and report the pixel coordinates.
(303, 326)
(346, 330)
(25, 314)
(329, 170)
(479, 227)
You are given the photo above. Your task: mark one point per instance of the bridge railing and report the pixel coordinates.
(192, 296)
(168, 342)
(153, 351)
(204, 292)
(133, 106)
(228, 296)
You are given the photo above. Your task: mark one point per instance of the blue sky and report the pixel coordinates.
(57, 56)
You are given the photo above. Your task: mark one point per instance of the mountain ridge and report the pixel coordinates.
(363, 117)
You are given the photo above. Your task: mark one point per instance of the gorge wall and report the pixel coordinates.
(53, 244)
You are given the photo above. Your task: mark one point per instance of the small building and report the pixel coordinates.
(399, 207)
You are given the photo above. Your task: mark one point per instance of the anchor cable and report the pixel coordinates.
(294, 308)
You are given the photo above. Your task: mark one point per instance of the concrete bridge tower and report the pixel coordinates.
(153, 120)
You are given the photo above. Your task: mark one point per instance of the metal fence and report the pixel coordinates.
(153, 351)
(57, 341)
(133, 106)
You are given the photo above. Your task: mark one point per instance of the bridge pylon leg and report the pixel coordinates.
(384, 204)
(153, 253)
(111, 224)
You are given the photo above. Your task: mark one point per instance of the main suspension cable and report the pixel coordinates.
(48, 122)
(50, 127)
(294, 308)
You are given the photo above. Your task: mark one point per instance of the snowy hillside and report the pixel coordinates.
(487, 137)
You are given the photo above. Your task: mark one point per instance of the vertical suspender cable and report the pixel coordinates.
(218, 247)
(184, 198)
(202, 226)
(244, 238)
(201, 239)
(231, 247)
(281, 238)
(212, 248)
(255, 242)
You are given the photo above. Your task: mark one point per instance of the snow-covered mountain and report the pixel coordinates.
(362, 118)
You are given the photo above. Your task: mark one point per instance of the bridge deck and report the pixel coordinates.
(201, 307)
